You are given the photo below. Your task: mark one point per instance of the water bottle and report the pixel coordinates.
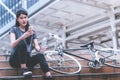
(44, 42)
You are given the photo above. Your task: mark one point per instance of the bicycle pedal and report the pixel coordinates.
(94, 66)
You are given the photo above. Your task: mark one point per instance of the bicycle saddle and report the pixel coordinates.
(88, 45)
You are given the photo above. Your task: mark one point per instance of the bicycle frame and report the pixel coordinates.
(95, 62)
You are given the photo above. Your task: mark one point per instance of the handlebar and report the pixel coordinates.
(55, 36)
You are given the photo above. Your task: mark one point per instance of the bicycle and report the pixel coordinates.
(99, 57)
(59, 61)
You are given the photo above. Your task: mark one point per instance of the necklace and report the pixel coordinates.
(23, 30)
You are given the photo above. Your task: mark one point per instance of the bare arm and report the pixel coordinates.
(37, 47)
(14, 41)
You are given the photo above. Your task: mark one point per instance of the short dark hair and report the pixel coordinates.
(21, 11)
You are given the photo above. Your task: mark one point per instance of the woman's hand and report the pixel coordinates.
(28, 33)
(42, 49)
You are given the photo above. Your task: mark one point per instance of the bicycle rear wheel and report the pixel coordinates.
(62, 63)
(111, 57)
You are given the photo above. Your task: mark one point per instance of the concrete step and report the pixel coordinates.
(15, 72)
(4, 64)
(5, 67)
(40, 77)
(9, 71)
(87, 73)
(4, 57)
(85, 76)
(105, 73)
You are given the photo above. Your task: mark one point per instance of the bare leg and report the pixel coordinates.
(47, 74)
(23, 66)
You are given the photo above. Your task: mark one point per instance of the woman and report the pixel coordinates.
(23, 38)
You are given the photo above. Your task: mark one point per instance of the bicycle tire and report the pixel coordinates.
(110, 59)
(69, 65)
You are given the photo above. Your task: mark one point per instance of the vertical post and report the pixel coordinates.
(64, 37)
(113, 27)
(24, 4)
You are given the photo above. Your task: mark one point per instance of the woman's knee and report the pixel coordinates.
(14, 64)
(40, 57)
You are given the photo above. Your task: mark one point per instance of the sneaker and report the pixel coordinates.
(26, 72)
(48, 78)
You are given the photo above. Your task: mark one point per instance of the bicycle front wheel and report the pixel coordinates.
(62, 63)
(110, 57)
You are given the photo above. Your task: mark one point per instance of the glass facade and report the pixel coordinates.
(13, 5)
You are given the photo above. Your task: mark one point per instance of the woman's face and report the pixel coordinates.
(22, 20)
